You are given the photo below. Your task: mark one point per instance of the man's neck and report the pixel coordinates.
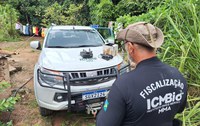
(140, 58)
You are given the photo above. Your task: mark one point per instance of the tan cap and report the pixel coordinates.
(142, 33)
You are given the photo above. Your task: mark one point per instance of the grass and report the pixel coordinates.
(9, 48)
(182, 50)
(33, 103)
(48, 120)
(78, 119)
(182, 45)
(191, 115)
(180, 22)
(10, 39)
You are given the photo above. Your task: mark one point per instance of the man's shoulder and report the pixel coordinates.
(175, 71)
(123, 81)
(127, 76)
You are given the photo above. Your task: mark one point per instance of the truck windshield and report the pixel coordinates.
(73, 38)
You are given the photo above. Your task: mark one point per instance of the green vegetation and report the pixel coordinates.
(77, 12)
(191, 115)
(79, 119)
(8, 18)
(101, 13)
(59, 15)
(6, 104)
(136, 7)
(180, 22)
(66, 12)
(7, 124)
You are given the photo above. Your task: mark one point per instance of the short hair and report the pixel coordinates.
(148, 48)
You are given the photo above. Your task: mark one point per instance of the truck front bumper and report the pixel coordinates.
(56, 99)
(67, 96)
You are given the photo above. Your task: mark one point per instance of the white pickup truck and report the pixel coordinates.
(71, 73)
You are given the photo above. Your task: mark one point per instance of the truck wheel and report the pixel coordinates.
(45, 112)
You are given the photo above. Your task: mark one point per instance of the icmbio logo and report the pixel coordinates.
(159, 102)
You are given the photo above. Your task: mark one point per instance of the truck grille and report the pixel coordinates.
(92, 77)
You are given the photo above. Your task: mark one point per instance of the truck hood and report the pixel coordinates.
(69, 59)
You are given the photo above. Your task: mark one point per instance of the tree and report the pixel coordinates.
(8, 18)
(73, 15)
(54, 14)
(85, 17)
(102, 13)
(63, 15)
(31, 11)
(115, 2)
(135, 7)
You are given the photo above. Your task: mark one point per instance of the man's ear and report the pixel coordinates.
(131, 47)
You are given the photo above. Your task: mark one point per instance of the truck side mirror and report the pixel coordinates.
(110, 41)
(35, 45)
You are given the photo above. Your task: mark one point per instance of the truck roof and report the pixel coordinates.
(68, 27)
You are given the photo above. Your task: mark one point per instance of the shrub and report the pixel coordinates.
(8, 18)
(180, 22)
(136, 7)
(60, 15)
(6, 104)
(101, 13)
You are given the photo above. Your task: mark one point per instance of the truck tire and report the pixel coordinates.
(45, 112)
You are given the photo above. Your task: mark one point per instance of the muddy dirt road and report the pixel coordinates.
(26, 111)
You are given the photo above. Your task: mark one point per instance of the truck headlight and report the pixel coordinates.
(50, 78)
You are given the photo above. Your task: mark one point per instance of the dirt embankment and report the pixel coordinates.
(26, 111)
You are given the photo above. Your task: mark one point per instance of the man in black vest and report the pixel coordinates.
(150, 95)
